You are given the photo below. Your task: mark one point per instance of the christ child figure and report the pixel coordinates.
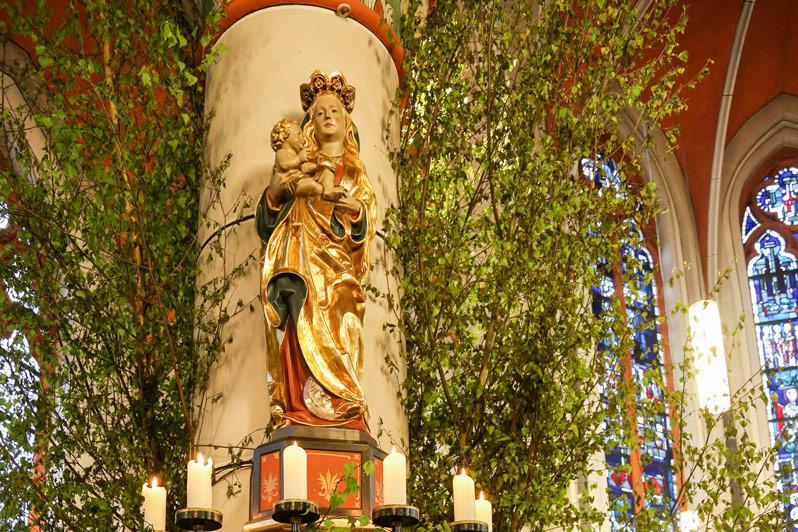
(290, 153)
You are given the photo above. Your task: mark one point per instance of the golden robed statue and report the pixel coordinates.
(316, 220)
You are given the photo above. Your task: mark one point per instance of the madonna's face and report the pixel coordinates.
(328, 118)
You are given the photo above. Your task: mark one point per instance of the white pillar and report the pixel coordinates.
(268, 53)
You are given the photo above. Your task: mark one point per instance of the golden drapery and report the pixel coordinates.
(311, 246)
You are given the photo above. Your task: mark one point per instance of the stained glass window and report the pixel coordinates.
(750, 224)
(769, 214)
(634, 284)
(643, 316)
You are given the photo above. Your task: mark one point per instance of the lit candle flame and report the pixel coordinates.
(199, 459)
(296, 444)
(393, 449)
(154, 482)
(481, 495)
(462, 470)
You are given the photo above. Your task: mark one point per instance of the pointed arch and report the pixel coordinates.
(766, 142)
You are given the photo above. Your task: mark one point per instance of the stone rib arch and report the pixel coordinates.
(680, 260)
(770, 135)
(677, 233)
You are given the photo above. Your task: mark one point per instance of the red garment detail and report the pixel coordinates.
(779, 416)
(295, 374)
(339, 175)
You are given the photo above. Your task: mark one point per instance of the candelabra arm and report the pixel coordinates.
(469, 526)
(204, 519)
(296, 512)
(395, 516)
(296, 525)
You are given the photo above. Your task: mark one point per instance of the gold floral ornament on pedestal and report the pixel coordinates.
(316, 220)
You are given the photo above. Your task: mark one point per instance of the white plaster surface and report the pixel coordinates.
(268, 54)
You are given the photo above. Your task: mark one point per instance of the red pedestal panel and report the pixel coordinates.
(328, 450)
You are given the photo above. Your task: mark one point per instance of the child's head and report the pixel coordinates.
(286, 132)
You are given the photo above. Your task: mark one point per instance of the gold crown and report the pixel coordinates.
(319, 83)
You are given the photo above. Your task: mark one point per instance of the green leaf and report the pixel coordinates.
(368, 467)
(336, 500)
(144, 74)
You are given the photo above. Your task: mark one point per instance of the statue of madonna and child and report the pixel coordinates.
(316, 220)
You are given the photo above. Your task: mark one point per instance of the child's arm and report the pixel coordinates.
(326, 178)
(307, 186)
(330, 192)
(287, 160)
(309, 167)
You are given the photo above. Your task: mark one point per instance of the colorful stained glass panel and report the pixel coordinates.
(642, 313)
(750, 224)
(639, 295)
(780, 197)
(773, 278)
(773, 281)
(603, 172)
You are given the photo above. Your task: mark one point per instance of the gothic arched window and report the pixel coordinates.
(769, 231)
(642, 476)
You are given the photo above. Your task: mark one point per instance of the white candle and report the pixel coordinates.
(295, 472)
(484, 511)
(394, 478)
(199, 493)
(463, 497)
(154, 505)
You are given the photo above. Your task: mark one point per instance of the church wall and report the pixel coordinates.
(768, 62)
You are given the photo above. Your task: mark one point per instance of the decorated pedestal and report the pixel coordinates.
(328, 450)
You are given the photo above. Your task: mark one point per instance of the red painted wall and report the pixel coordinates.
(767, 68)
(769, 62)
(709, 35)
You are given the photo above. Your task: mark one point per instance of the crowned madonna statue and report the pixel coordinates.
(316, 220)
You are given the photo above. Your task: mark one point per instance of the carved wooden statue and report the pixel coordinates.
(316, 220)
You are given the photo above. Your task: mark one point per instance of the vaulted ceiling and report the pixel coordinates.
(751, 49)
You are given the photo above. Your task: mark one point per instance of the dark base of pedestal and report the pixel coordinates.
(328, 451)
(270, 525)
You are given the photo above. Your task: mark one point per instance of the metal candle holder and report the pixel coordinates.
(296, 512)
(395, 516)
(198, 519)
(469, 526)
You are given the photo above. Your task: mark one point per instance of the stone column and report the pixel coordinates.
(269, 50)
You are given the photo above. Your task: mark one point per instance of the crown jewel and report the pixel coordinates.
(320, 83)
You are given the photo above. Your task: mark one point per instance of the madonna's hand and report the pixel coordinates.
(348, 205)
